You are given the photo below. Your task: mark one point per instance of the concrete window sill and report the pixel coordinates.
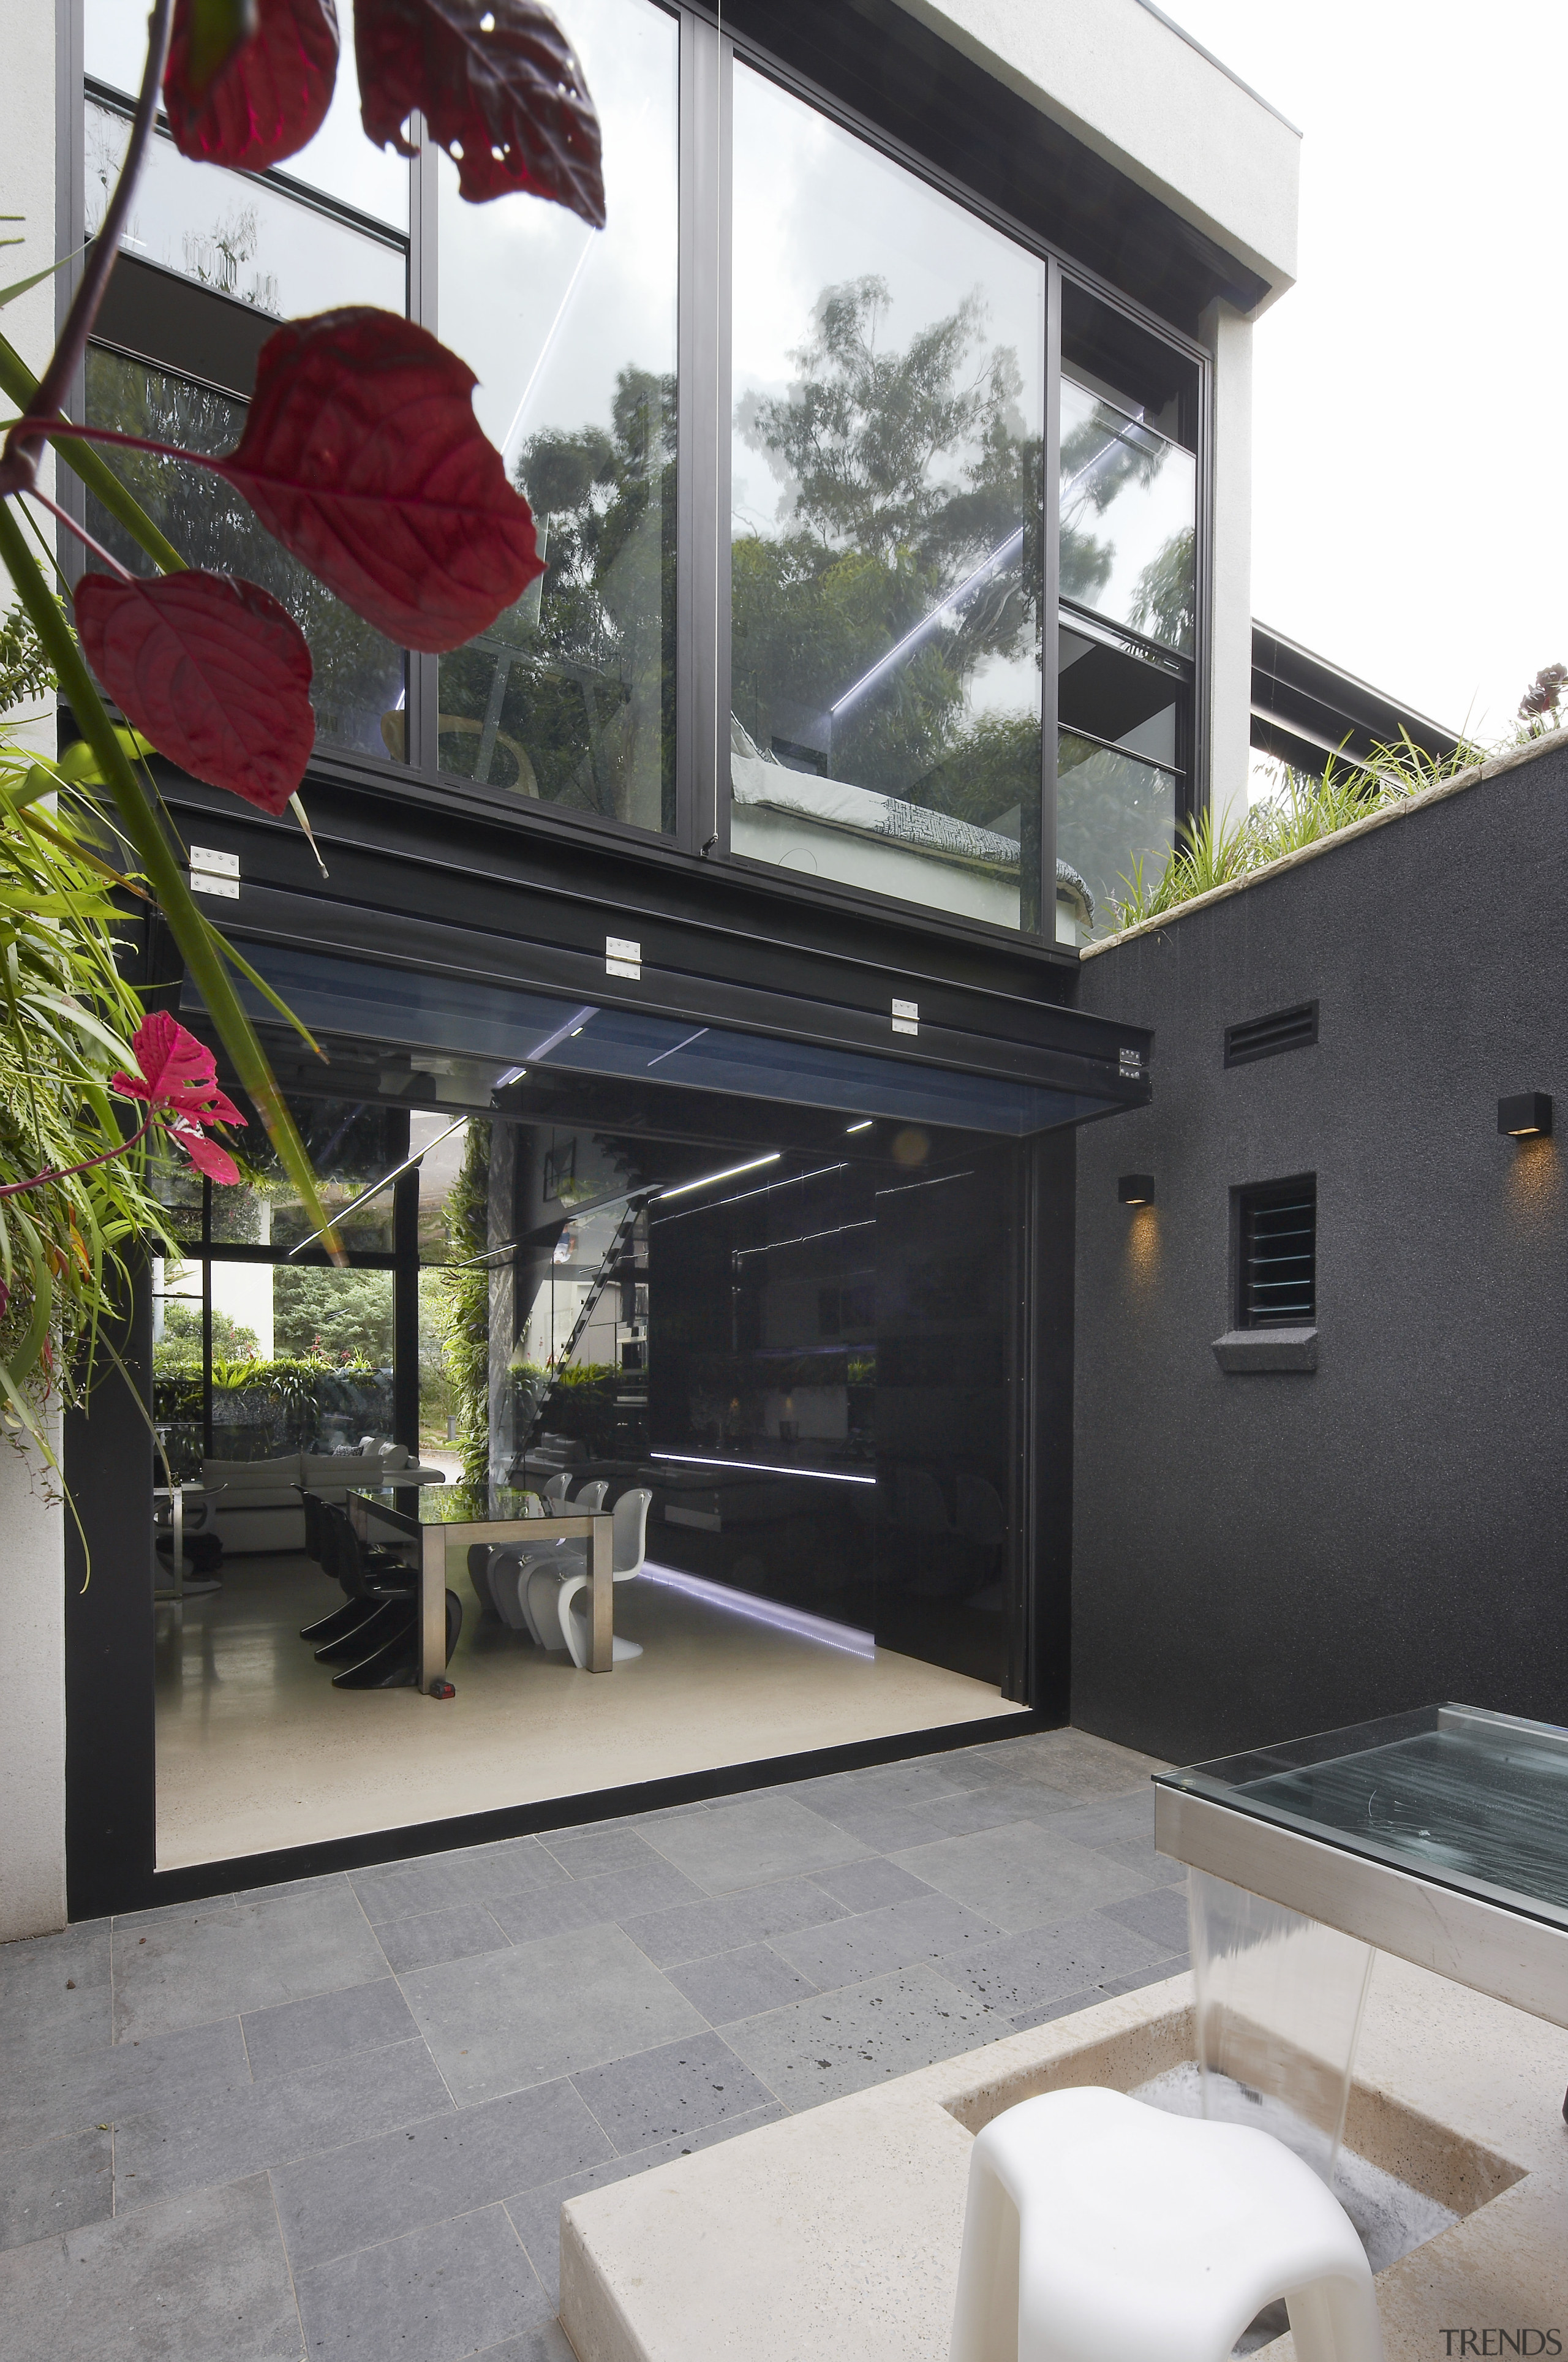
(1244, 1349)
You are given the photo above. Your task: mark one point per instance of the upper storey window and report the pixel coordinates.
(888, 414)
(570, 697)
(873, 539)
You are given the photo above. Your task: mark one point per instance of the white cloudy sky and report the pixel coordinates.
(1410, 504)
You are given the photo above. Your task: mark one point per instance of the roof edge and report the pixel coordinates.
(1474, 778)
(1221, 67)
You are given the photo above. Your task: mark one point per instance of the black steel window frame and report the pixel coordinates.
(707, 53)
(1296, 1197)
(201, 1250)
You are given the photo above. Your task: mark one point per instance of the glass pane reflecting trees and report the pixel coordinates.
(570, 697)
(885, 524)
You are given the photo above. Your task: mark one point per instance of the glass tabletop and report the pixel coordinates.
(1456, 1795)
(462, 1505)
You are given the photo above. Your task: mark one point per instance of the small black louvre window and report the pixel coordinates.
(1266, 1037)
(1278, 1241)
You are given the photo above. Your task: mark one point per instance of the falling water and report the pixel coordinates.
(1279, 2002)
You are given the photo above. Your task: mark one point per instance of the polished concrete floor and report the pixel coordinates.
(335, 2119)
(256, 1750)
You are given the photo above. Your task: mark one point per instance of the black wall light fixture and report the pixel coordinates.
(1526, 1117)
(1136, 1188)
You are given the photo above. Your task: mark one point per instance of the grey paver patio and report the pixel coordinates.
(337, 2117)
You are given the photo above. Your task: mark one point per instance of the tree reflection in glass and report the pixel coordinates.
(570, 697)
(358, 675)
(1127, 516)
(885, 560)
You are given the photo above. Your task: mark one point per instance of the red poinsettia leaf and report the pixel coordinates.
(206, 1155)
(210, 32)
(270, 97)
(212, 670)
(499, 86)
(362, 455)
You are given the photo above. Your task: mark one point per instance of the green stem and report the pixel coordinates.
(163, 871)
(18, 383)
(66, 1171)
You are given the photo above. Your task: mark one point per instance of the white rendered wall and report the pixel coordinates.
(32, 1536)
(1229, 336)
(1132, 88)
(32, 1721)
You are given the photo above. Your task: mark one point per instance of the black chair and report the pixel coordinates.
(383, 1594)
(394, 1665)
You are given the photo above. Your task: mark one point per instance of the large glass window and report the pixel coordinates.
(570, 697)
(1128, 547)
(884, 512)
(878, 625)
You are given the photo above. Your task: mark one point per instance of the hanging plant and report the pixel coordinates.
(361, 454)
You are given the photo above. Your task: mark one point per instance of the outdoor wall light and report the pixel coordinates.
(1526, 1117)
(1136, 1189)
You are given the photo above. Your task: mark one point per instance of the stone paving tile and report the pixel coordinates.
(1022, 1876)
(652, 1884)
(511, 2019)
(743, 1983)
(434, 1936)
(537, 2212)
(611, 1846)
(56, 2186)
(193, 2279)
(545, 2342)
(847, 1951)
(189, 1970)
(296, 2033)
(444, 1881)
(752, 1843)
(863, 2034)
(545, 1910)
(1161, 1916)
(55, 1988)
(867, 1885)
(693, 1930)
(1113, 1821)
(360, 2196)
(666, 2093)
(445, 2290)
(75, 2093)
(1138, 1853)
(1022, 1971)
(165, 2149)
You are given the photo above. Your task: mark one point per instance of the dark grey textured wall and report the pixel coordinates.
(1261, 1556)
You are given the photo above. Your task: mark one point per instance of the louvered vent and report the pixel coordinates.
(1278, 1239)
(1266, 1037)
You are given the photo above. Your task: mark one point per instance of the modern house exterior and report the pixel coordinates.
(891, 453)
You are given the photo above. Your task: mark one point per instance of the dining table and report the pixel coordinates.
(437, 1514)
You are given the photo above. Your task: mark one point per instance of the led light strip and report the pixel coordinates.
(843, 1637)
(767, 1467)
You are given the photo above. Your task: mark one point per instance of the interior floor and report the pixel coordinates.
(256, 1750)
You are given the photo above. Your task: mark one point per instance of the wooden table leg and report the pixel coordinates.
(601, 1596)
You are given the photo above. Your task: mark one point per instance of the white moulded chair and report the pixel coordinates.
(554, 1601)
(1100, 2230)
(510, 1572)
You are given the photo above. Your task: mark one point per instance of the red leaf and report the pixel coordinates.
(362, 455)
(176, 1071)
(499, 88)
(206, 1155)
(212, 670)
(271, 98)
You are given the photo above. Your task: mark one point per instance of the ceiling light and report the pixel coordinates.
(859, 1127)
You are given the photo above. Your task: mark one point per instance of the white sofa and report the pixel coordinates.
(259, 1507)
